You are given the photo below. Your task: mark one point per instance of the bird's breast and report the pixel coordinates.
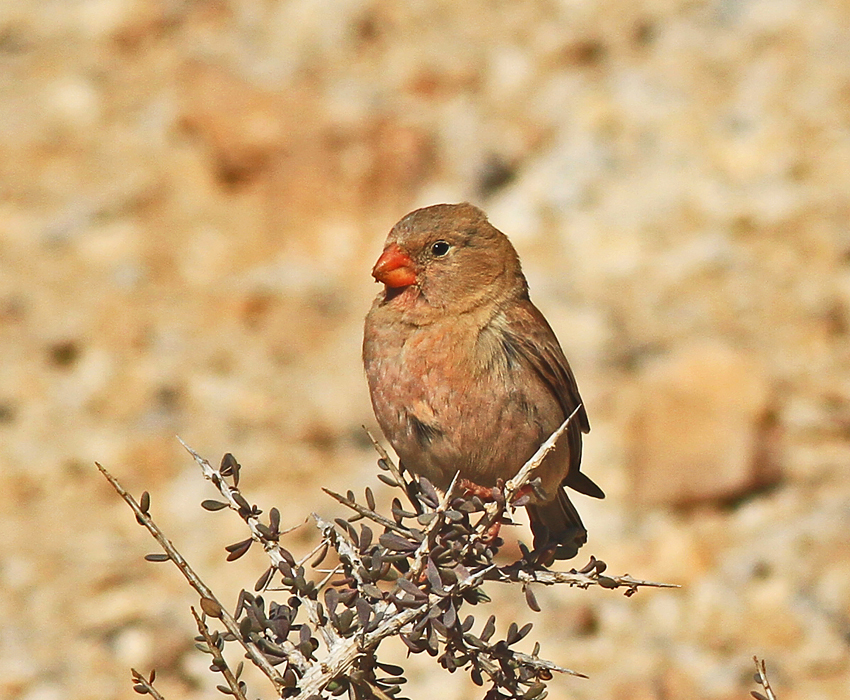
(450, 398)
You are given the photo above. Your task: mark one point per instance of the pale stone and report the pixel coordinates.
(696, 428)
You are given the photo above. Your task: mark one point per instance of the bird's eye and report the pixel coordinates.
(439, 249)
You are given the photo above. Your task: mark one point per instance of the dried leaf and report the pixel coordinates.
(157, 557)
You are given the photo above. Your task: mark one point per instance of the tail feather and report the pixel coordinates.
(557, 527)
(583, 484)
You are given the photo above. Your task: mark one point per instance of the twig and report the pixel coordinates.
(145, 685)
(494, 511)
(366, 512)
(236, 688)
(428, 541)
(394, 470)
(514, 573)
(522, 477)
(237, 502)
(194, 580)
(761, 679)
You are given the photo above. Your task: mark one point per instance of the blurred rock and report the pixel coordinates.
(242, 124)
(697, 427)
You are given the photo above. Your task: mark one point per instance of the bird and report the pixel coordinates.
(465, 374)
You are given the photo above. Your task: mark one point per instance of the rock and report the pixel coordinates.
(698, 427)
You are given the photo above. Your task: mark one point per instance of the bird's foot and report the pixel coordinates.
(488, 494)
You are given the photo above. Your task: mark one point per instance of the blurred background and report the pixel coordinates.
(192, 194)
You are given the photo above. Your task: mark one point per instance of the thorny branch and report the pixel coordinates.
(409, 580)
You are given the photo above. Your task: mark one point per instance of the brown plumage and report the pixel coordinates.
(465, 373)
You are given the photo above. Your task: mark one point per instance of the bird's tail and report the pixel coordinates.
(557, 528)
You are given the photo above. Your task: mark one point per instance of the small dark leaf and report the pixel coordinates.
(391, 669)
(414, 646)
(388, 480)
(140, 689)
(600, 566)
(346, 617)
(534, 691)
(346, 526)
(320, 557)
(426, 518)
(145, 502)
(331, 599)
(157, 557)
(410, 587)
(244, 506)
(211, 607)
(364, 612)
(757, 695)
(531, 600)
(523, 632)
(450, 616)
(433, 575)
(287, 555)
(230, 467)
(489, 628)
(263, 581)
(365, 537)
(607, 582)
(399, 511)
(396, 543)
(590, 566)
(237, 549)
(212, 505)
(245, 627)
(370, 498)
(429, 492)
(266, 532)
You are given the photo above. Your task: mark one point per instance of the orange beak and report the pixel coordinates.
(394, 268)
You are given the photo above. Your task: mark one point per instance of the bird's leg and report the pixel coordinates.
(487, 494)
(523, 496)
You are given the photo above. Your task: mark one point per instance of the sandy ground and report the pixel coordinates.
(192, 194)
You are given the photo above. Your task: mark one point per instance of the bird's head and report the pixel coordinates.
(451, 257)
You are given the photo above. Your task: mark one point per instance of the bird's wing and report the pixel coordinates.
(528, 336)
